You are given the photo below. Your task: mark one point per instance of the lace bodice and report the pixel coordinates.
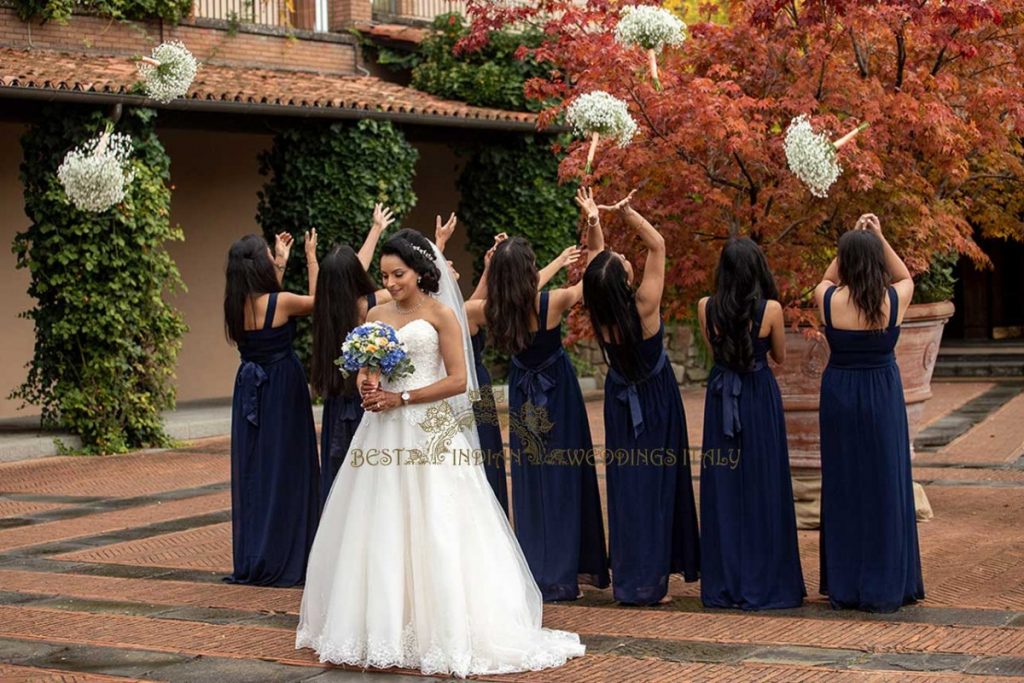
(424, 349)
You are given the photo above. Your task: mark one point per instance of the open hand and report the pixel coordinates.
(445, 231)
(621, 205)
(283, 242)
(569, 256)
(383, 216)
(310, 244)
(585, 200)
(869, 221)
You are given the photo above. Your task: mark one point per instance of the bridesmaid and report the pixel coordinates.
(652, 518)
(749, 554)
(486, 409)
(869, 551)
(274, 473)
(344, 293)
(555, 501)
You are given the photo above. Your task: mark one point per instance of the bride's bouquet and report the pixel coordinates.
(375, 346)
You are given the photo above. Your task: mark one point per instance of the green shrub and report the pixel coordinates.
(329, 176)
(106, 338)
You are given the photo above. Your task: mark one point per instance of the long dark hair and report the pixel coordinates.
(340, 285)
(611, 303)
(742, 281)
(511, 296)
(401, 245)
(862, 269)
(249, 273)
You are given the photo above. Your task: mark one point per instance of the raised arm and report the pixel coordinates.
(442, 233)
(649, 293)
(283, 242)
(902, 281)
(298, 304)
(569, 256)
(595, 236)
(382, 218)
(481, 286)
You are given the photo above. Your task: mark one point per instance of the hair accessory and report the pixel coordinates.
(427, 255)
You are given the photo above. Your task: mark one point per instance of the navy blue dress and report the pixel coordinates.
(487, 426)
(338, 424)
(555, 501)
(750, 558)
(652, 518)
(274, 470)
(869, 552)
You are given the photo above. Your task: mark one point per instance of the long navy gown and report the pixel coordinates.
(750, 558)
(869, 552)
(652, 517)
(487, 426)
(340, 419)
(555, 501)
(274, 469)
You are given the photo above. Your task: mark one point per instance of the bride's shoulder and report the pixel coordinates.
(440, 315)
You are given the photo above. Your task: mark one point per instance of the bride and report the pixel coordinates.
(414, 564)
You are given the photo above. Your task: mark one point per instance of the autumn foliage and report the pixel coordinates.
(941, 84)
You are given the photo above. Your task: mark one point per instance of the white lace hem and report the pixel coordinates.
(557, 649)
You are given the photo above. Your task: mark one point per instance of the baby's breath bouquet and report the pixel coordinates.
(96, 174)
(651, 28)
(375, 346)
(169, 73)
(812, 157)
(597, 113)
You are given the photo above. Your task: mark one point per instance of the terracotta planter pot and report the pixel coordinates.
(800, 383)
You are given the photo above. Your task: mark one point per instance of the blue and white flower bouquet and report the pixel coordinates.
(375, 346)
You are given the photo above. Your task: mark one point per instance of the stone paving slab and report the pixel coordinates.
(207, 548)
(112, 566)
(134, 474)
(111, 521)
(1000, 438)
(245, 642)
(28, 674)
(949, 396)
(18, 508)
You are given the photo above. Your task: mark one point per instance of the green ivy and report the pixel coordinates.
(329, 176)
(136, 10)
(492, 77)
(938, 282)
(106, 339)
(513, 187)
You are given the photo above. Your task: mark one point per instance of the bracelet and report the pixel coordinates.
(279, 268)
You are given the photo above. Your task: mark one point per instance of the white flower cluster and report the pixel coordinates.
(599, 112)
(97, 174)
(811, 157)
(649, 27)
(173, 74)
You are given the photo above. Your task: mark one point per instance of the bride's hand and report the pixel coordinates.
(378, 401)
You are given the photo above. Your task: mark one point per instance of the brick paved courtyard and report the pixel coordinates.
(110, 570)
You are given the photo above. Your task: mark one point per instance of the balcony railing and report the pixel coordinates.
(415, 10)
(262, 12)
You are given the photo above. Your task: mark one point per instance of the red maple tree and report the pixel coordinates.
(940, 83)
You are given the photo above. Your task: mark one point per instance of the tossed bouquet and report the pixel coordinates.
(651, 28)
(375, 346)
(597, 113)
(813, 157)
(97, 174)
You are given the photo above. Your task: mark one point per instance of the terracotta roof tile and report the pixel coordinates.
(40, 69)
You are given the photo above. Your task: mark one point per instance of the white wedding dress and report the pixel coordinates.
(414, 564)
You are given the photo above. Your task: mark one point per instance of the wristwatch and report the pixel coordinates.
(405, 398)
